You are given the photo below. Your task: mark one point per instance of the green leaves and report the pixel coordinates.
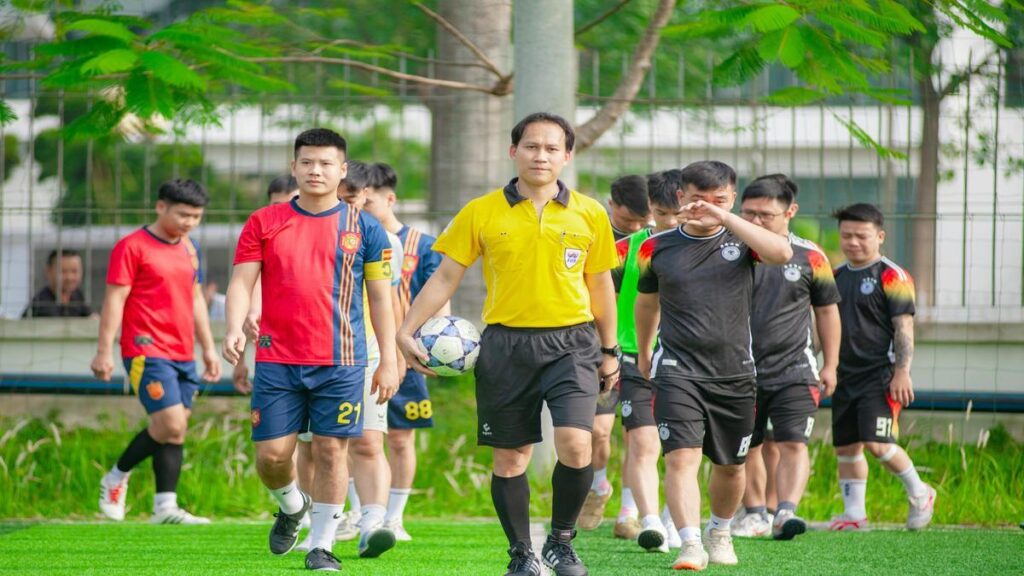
(171, 70)
(103, 28)
(786, 46)
(117, 60)
(866, 140)
(771, 17)
(795, 96)
(7, 114)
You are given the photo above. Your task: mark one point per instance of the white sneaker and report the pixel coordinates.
(348, 529)
(653, 536)
(754, 525)
(673, 539)
(376, 541)
(787, 525)
(720, 549)
(395, 525)
(176, 515)
(305, 544)
(691, 557)
(921, 510)
(112, 497)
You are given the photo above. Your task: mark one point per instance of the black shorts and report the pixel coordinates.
(863, 410)
(519, 368)
(786, 412)
(636, 396)
(716, 416)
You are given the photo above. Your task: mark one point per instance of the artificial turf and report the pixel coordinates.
(475, 547)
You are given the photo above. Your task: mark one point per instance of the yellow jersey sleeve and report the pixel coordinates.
(460, 241)
(602, 256)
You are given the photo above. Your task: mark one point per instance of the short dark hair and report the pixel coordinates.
(183, 191)
(320, 138)
(774, 186)
(63, 253)
(862, 212)
(708, 175)
(384, 176)
(662, 187)
(536, 117)
(282, 185)
(631, 191)
(359, 175)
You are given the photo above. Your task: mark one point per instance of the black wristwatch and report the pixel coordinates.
(615, 351)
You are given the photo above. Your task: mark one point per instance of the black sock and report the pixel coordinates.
(569, 487)
(167, 467)
(141, 447)
(512, 503)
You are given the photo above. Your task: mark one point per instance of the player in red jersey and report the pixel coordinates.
(312, 256)
(154, 294)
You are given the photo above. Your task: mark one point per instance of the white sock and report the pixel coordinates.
(689, 533)
(371, 518)
(116, 475)
(628, 509)
(165, 500)
(289, 498)
(600, 482)
(912, 482)
(717, 523)
(853, 492)
(326, 518)
(397, 499)
(353, 496)
(652, 521)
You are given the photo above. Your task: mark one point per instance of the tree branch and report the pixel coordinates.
(591, 130)
(607, 14)
(487, 62)
(501, 88)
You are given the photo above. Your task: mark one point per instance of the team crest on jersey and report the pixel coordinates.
(409, 263)
(867, 286)
(256, 417)
(264, 341)
(155, 389)
(349, 242)
(791, 272)
(572, 256)
(731, 251)
(143, 340)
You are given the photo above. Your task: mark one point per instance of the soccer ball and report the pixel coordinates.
(452, 343)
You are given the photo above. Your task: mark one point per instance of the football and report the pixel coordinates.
(451, 343)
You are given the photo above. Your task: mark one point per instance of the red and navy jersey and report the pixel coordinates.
(781, 318)
(872, 296)
(159, 320)
(313, 268)
(418, 263)
(704, 285)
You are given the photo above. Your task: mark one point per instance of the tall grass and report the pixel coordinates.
(49, 471)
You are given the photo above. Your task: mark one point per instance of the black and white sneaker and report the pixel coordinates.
(559, 555)
(523, 563)
(285, 532)
(322, 561)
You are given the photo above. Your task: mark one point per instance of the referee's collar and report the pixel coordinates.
(513, 196)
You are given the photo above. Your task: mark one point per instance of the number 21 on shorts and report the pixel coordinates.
(349, 413)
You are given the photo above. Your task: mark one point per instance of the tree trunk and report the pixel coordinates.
(469, 130)
(923, 264)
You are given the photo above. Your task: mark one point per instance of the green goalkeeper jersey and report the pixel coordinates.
(625, 277)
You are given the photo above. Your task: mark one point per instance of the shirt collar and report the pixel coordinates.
(513, 196)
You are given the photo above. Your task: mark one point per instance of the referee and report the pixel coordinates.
(547, 256)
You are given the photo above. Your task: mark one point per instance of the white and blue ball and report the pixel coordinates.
(451, 343)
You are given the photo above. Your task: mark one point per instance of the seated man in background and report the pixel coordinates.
(63, 278)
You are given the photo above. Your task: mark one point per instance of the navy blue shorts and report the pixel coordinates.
(410, 407)
(160, 383)
(286, 396)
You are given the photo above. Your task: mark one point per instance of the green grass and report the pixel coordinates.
(477, 547)
(48, 471)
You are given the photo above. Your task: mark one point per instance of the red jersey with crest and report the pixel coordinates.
(159, 321)
(313, 267)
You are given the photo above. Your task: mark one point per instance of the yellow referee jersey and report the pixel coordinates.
(533, 267)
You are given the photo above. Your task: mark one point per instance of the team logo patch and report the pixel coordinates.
(792, 272)
(256, 417)
(409, 263)
(663, 431)
(349, 242)
(731, 251)
(143, 340)
(627, 408)
(867, 286)
(265, 341)
(572, 256)
(155, 389)
(485, 429)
